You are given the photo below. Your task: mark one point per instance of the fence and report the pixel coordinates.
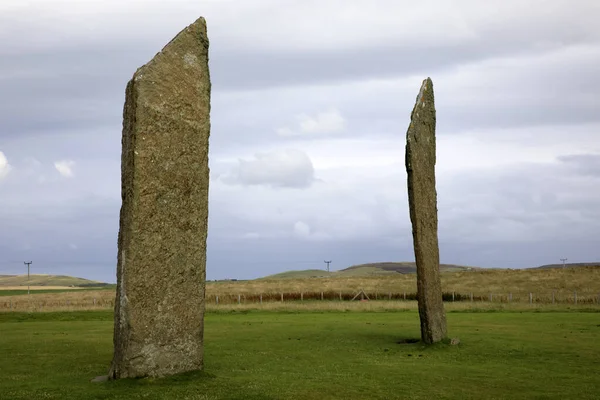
(35, 303)
(554, 297)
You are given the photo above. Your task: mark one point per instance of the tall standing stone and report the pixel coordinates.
(161, 263)
(422, 198)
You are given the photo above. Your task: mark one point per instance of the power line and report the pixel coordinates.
(327, 262)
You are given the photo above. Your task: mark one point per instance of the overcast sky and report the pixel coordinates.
(311, 100)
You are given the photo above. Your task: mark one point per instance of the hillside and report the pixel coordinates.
(47, 280)
(363, 270)
(570, 265)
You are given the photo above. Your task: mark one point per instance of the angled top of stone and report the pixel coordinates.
(425, 102)
(188, 46)
(179, 71)
(422, 124)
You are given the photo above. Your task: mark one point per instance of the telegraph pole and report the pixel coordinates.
(28, 264)
(327, 262)
(564, 260)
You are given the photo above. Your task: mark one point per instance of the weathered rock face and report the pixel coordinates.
(422, 198)
(161, 265)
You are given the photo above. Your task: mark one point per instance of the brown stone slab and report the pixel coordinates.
(161, 262)
(422, 198)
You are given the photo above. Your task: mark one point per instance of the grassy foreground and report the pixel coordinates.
(317, 355)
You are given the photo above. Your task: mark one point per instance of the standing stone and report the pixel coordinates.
(422, 198)
(161, 262)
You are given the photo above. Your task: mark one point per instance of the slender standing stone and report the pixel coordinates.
(161, 262)
(422, 198)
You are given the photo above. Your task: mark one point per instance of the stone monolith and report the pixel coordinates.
(422, 198)
(161, 262)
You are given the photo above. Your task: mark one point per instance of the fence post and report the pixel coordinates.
(491, 297)
(261, 298)
(239, 299)
(404, 295)
(340, 295)
(321, 295)
(217, 298)
(575, 296)
(509, 297)
(553, 297)
(301, 296)
(530, 298)
(453, 297)
(282, 297)
(471, 297)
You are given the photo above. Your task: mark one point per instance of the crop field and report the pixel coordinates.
(317, 355)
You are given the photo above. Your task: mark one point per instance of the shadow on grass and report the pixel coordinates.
(193, 383)
(184, 377)
(408, 341)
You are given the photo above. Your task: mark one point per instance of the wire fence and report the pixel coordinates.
(554, 297)
(106, 300)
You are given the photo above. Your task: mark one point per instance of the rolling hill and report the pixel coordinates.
(569, 265)
(371, 269)
(47, 280)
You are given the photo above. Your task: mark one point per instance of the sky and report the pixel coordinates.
(311, 101)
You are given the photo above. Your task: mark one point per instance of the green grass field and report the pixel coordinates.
(317, 355)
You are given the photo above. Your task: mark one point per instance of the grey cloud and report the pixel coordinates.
(526, 203)
(285, 169)
(78, 86)
(65, 102)
(585, 164)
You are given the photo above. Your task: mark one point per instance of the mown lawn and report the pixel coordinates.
(317, 355)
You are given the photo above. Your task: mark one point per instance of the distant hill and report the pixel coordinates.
(372, 269)
(48, 280)
(569, 265)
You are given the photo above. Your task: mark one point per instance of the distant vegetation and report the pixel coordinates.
(394, 268)
(545, 284)
(38, 280)
(591, 264)
(371, 269)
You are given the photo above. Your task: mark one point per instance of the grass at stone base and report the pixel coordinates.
(317, 355)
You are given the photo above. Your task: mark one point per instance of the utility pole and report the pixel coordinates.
(327, 262)
(28, 264)
(563, 260)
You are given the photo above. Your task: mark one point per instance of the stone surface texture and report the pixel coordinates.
(422, 198)
(161, 262)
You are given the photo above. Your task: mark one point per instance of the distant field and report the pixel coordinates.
(566, 286)
(42, 290)
(45, 281)
(480, 282)
(316, 355)
(20, 288)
